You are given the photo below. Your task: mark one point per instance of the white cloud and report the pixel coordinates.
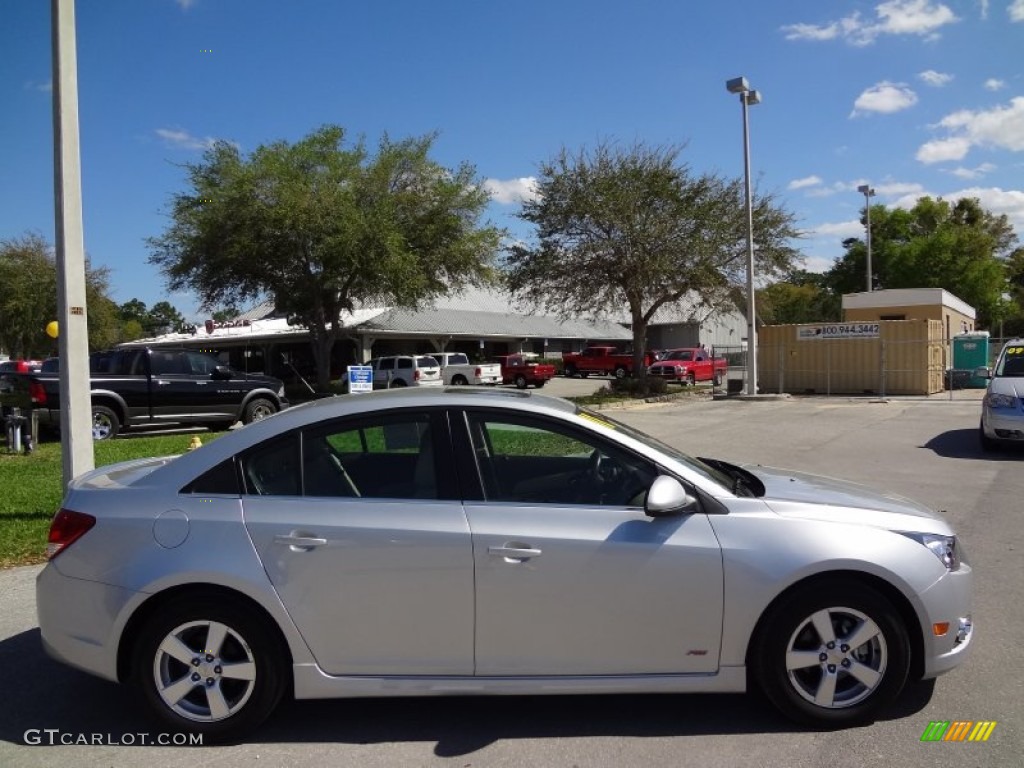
(923, 18)
(973, 173)
(1016, 10)
(184, 139)
(511, 191)
(840, 229)
(893, 188)
(941, 150)
(39, 85)
(935, 79)
(998, 201)
(1001, 127)
(886, 98)
(809, 181)
(984, 8)
(185, 4)
(994, 84)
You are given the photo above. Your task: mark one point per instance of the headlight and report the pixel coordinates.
(946, 548)
(1000, 401)
(280, 391)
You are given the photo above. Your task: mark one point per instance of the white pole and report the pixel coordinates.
(751, 317)
(75, 405)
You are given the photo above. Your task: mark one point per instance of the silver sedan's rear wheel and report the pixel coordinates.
(834, 653)
(208, 668)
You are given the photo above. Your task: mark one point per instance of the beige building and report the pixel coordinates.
(956, 315)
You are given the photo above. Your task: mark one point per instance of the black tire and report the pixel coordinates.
(105, 423)
(584, 374)
(691, 380)
(521, 382)
(987, 443)
(570, 371)
(397, 383)
(852, 608)
(717, 380)
(539, 384)
(247, 640)
(459, 380)
(258, 409)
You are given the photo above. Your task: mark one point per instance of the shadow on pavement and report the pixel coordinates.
(964, 444)
(50, 695)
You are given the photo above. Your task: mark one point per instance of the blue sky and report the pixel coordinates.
(912, 96)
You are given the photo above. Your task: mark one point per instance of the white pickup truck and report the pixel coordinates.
(456, 369)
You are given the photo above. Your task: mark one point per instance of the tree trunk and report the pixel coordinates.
(322, 342)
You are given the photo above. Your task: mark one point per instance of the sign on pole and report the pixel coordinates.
(360, 379)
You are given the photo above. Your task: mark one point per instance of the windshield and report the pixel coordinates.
(679, 355)
(1011, 363)
(698, 466)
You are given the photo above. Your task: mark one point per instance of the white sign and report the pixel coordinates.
(837, 331)
(360, 379)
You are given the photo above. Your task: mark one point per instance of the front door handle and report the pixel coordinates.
(299, 543)
(514, 553)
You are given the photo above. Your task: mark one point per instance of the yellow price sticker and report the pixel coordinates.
(595, 420)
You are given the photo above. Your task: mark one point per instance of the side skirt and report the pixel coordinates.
(312, 683)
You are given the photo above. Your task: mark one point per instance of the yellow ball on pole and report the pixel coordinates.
(52, 329)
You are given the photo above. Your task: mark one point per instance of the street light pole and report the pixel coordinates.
(748, 97)
(868, 193)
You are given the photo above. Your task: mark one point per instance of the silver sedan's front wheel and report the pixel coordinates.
(837, 657)
(833, 652)
(205, 666)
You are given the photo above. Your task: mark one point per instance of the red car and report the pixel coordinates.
(516, 369)
(21, 366)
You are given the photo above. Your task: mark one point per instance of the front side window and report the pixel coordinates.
(387, 364)
(529, 460)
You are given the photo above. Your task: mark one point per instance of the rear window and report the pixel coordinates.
(458, 360)
(426, 362)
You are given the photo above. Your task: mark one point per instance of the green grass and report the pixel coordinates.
(30, 489)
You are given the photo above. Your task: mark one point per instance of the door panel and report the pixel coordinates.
(612, 591)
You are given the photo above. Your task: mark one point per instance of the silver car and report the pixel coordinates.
(1002, 410)
(472, 541)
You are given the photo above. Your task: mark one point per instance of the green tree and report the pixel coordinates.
(632, 228)
(28, 299)
(959, 246)
(802, 297)
(163, 318)
(324, 227)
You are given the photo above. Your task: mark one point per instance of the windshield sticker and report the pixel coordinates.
(1014, 351)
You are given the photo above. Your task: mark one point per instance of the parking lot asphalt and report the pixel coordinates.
(925, 448)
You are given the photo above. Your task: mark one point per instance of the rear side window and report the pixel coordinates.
(405, 362)
(222, 480)
(273, 468)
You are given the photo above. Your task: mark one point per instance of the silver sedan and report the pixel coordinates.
(464, 541)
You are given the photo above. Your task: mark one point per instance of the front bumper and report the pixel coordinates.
(1003, 423)
(947, 601)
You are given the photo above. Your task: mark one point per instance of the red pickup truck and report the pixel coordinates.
(516, 369)
(604, 361)
(690, 365)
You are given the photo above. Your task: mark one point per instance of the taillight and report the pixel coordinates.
(416, 375)
(67, 527)
(478, 373)
(36, 393)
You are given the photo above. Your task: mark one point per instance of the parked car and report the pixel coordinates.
(457, 370)
(602, 361)
(1002, 410)
(688, 365)
(405, 371)
(522, 371)
(437, 542)
(20, 366)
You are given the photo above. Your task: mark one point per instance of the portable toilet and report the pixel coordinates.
(970, 351)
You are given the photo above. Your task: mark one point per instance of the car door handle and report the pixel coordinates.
(300, 543)
(514, 553)
(161, 383)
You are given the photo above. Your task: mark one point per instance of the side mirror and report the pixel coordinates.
(223, 373)
(667, 496)
(982, 373)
